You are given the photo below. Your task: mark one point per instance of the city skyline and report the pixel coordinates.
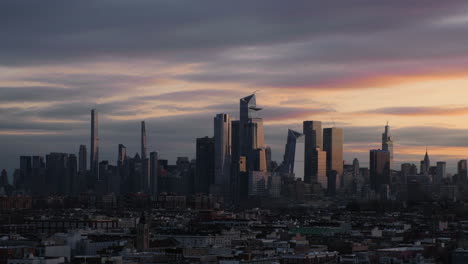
(310, 68)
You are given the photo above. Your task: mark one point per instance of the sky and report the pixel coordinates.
(176, 64)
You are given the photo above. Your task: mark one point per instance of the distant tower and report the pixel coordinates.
(153, 161)
(293, 163)
(251, 134)
(142, 237)
(122, 154)
(425, 164)
(356, 168)
(313, 146)
(379, 168)
(205, 169)
(222, 140)
(143, 141)
(387, 143)
(333, 144)
(82, 159)
(94, 155)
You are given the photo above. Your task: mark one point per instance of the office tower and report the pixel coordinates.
(268, 158)
(38, 162)
(3, 178)
(143, 140)
(82, 159)
(56, 167)
(251, 134)
(293, 159)
(25, 173)
(222, 139)
(312, 131)
(94, 155)
(154, 173)
(441, 172)
(331, 183)
(425, 164)
(462, 170)
(356, 168)
(379, 167)
(143, 235)
(258, 183)
(406, 170)
(204, 176)
(333, 145)
(122, 154)
(72, 180)
(387, 143)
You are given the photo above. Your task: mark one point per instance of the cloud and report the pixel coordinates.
(419, 111)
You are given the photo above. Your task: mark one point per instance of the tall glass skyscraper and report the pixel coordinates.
(313, 145)
(222, 138)
(94, 155)
(333, 144)
(387, 143)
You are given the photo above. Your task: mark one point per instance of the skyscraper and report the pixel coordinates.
(441, 172)
(143, 141)
(387, 143)
(293, 162)
(154, 173)
(122, 154)
(250, 130)
(82, 156)
(204, 175)
(312, 131)
(222, 139)
(425, 164)
(379, 167)
(94, 155)
(333, 145)
(462, 170)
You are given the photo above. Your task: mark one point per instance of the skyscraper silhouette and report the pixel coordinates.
(222, 139)
(82, 159)
(94, 155)
(143, 141)
(333, 145)
(312, 131)
(387, 143)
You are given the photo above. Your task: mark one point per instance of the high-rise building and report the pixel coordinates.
(143, 141)
(425, 164)
(312, 131)
(387, 143)
(293, 159)
(38, 162)
(204, 175)
(333, 140)
(25, 173)
(153, 160)
(72, 181)
(251, 134)
(3, 178)
(94, 155)
(462, 169)
(82, 159)
(222, 140)
(379, 167)
(122, 154)
(441, 172)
